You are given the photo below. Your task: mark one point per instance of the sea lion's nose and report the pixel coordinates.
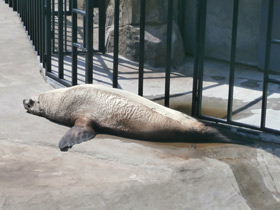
(26, 103)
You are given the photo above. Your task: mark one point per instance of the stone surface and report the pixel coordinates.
(155, 32)
(156, 12)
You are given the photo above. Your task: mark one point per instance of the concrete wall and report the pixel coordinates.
(275, 49)
(219, 26)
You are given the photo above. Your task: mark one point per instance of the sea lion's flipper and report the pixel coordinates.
(76, 135)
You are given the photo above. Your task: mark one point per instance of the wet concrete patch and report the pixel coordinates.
(247, 171)
(250, 83)
(252, 187)
(218, 78)
(273, 103)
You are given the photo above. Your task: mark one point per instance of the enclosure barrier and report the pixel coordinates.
(40, 17)
(199, 67)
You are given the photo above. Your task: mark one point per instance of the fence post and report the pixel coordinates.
(141, 47)
(267, 62)
(232, 59)
(89, 40)
(116, 44)
(168, 52)
(60, 40)
(74, 40)
(102, 20)
(199, 57)
(47, 24)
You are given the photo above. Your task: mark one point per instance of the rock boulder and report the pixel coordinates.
(155, 33)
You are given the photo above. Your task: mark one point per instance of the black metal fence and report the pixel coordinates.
(46, 19)
(199, 67)
(30, 12)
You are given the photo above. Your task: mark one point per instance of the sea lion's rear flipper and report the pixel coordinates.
(76, 135)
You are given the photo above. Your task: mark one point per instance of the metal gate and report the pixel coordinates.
(47, 21)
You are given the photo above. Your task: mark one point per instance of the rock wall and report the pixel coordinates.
(155, 33)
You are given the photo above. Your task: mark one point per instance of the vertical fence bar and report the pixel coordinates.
(23, 4)
(267, 61)
(53, 25)
(202, 53)
(141, 47)
(47, 23)
(14, 5)
(196, 59)
(65, 25)
(181, 16)
(199, 57)
(89, 40)
(74, 40)
(25, 13)
(116, 44)
(43, 33)
(35, 28)
(102, 21)
(84, 33)
(232, 59)
(40, 15)
(18, 8)
(168, 52)
(34, 23)
(31, 21)
(27, 16)
(60, 40)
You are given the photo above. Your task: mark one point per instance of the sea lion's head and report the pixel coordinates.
(32, 105)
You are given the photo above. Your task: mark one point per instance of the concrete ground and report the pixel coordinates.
(111, 172)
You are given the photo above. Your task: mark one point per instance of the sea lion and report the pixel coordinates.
(93, 109)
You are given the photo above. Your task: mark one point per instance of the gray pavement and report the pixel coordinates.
(111, 172)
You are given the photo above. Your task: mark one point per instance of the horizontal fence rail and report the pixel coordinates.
(52, 26)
